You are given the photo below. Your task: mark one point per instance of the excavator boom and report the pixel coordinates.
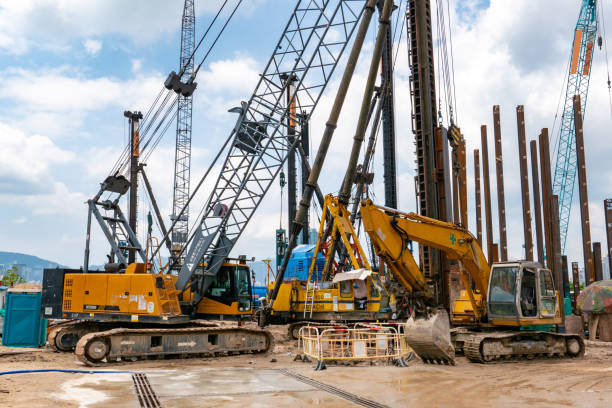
(522, 294)
(391, 231)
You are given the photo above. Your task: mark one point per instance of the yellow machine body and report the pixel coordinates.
(140, 294)
(320, 299)
(505, 294)
(329, 298)
(120, 293)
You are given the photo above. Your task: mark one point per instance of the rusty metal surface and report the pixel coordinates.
(522, 148)
(440, 265)
(524, 345)
(462, 157)
(608, 220)
(557, 269)
(565, 271)
(576, 283)
(597, 264)
(546, 196)
(145, 393)
(477, 196)
(537, 205)
(423, 79)
(430, 338)
(583, 193)
(487, 191)
(501, 199)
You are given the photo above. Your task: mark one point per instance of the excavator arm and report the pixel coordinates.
(390, 232)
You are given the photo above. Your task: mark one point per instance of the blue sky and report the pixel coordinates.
(71, 68)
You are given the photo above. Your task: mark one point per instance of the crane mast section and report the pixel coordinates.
(309, 48)
(182, 162)
(577, 84)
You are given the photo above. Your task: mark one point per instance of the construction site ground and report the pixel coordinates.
(270, 381)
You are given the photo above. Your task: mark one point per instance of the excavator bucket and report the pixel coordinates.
(430, 338)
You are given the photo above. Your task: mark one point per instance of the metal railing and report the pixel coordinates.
(364, 341)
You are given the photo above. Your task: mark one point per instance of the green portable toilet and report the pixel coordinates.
(23, 325)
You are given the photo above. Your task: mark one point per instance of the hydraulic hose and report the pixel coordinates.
(57, 370)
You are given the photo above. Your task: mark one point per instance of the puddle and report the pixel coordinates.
(91, 389)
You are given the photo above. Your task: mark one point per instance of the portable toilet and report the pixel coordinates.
(23, 324)
(3, 290)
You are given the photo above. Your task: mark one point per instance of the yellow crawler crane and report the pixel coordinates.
(499, 307)
(134, 314)
(340, 291)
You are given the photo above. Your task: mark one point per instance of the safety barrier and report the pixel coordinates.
(361, 342)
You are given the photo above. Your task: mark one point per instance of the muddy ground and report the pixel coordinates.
(255, 380)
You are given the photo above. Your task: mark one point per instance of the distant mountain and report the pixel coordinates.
(29, 266)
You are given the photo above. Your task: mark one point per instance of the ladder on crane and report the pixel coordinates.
(311, 287)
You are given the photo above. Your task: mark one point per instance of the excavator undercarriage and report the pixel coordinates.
(498, 346)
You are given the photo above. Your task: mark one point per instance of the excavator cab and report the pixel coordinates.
(230, 294)
(521, 293)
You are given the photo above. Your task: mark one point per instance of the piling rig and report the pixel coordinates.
(131, 311)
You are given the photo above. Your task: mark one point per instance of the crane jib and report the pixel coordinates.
(309, 48)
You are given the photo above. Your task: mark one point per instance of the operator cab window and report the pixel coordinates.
(222, 284)
(502, 294)
(547, 294)
(243, 281)
(528, 301)
(374, 292)
(346, 288)
(243, 287)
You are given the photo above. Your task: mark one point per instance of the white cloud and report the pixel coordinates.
(65, 89)
(60, 102)
(20, 220)
(25, 162)
(136, 65)
(51, 24)
(238, 74)
(508, 54)
(92, 47)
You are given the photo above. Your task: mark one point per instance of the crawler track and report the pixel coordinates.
(99, 348)
(64, 337)
(504, 346)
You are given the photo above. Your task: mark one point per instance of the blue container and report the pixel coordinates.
(23, 325)
(259, 293)
(297, 268)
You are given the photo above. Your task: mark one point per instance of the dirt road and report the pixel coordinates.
(248, 380)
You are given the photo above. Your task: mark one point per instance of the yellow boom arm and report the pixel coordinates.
(390, 230)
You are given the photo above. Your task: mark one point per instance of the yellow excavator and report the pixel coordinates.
(500, 308)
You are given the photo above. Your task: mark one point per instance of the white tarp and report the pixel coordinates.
(358, 274)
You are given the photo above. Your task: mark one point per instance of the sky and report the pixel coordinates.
(70, 68)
